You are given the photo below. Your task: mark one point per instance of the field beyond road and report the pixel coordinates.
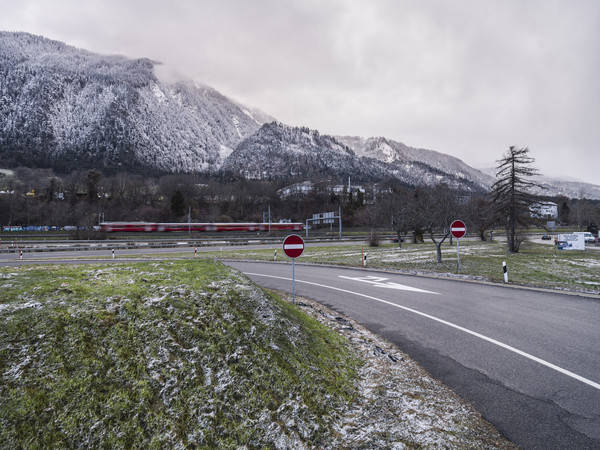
(536, 265)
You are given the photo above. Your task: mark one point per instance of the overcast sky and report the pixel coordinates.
(465, 77)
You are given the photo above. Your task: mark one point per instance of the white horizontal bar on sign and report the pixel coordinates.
(459, 229)
(293, 246)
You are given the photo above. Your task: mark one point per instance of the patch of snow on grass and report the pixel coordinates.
(589, 263)
(11, 307)
(400, 405)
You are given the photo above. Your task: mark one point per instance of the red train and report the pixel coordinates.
(151, 226)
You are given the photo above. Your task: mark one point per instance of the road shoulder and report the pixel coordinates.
(399, 402)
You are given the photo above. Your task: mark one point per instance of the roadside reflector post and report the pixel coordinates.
(505, 271)
(20, 253)
(113, 253)
(365, 260)
(194, 252)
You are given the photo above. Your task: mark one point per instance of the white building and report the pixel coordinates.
(296, 190)
(544, 210)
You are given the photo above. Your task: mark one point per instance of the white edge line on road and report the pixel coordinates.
(450, 324)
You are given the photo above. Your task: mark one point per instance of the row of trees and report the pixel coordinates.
(40, 197)
(507, 207)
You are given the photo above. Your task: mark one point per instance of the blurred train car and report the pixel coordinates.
(153, 227)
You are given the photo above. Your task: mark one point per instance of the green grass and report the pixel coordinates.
(536, 264)
(155, 355)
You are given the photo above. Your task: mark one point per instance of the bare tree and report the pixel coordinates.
(481, 216)
(437, 207)
(74, 184)
(585, 213)
(401, 208)
(93, 179)
(511, 193)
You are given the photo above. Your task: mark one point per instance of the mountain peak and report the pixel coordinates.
(68, 108)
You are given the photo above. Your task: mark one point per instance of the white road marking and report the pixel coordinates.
(381, 282)
(450, 324)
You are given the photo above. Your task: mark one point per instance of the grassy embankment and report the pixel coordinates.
(162, 355)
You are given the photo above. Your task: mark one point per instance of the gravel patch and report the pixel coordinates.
(400, 405)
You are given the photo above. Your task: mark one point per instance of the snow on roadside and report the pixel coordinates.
(400, 404)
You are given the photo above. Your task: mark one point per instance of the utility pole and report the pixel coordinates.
(340, 219)
(268, 217)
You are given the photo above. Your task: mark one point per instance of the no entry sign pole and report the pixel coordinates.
(458, 255)
(293, 284)
(458, 230)
(293, 246)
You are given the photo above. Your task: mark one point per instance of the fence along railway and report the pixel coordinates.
(165, 227)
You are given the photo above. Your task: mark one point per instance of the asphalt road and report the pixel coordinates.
(528, 360)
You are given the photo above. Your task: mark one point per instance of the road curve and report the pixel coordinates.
(528, 360)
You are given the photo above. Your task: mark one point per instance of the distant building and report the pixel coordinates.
(341, 188)
(296, 190)
(369, 192)
(544, 210)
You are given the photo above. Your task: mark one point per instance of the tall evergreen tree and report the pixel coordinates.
(93, 178)
(178, 203)
(511, 193)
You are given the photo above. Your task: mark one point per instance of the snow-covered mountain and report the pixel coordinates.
(569, 188)
(278, 151)
(559, 187)
(417, 165)
(67, 108)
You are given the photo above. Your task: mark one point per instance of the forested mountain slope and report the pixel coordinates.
(67, 108)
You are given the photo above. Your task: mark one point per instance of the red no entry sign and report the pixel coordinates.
(293, 246)
(458, 229)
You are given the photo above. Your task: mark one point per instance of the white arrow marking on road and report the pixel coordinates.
(380, 282)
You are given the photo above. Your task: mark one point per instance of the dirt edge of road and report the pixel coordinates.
(399, 402)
